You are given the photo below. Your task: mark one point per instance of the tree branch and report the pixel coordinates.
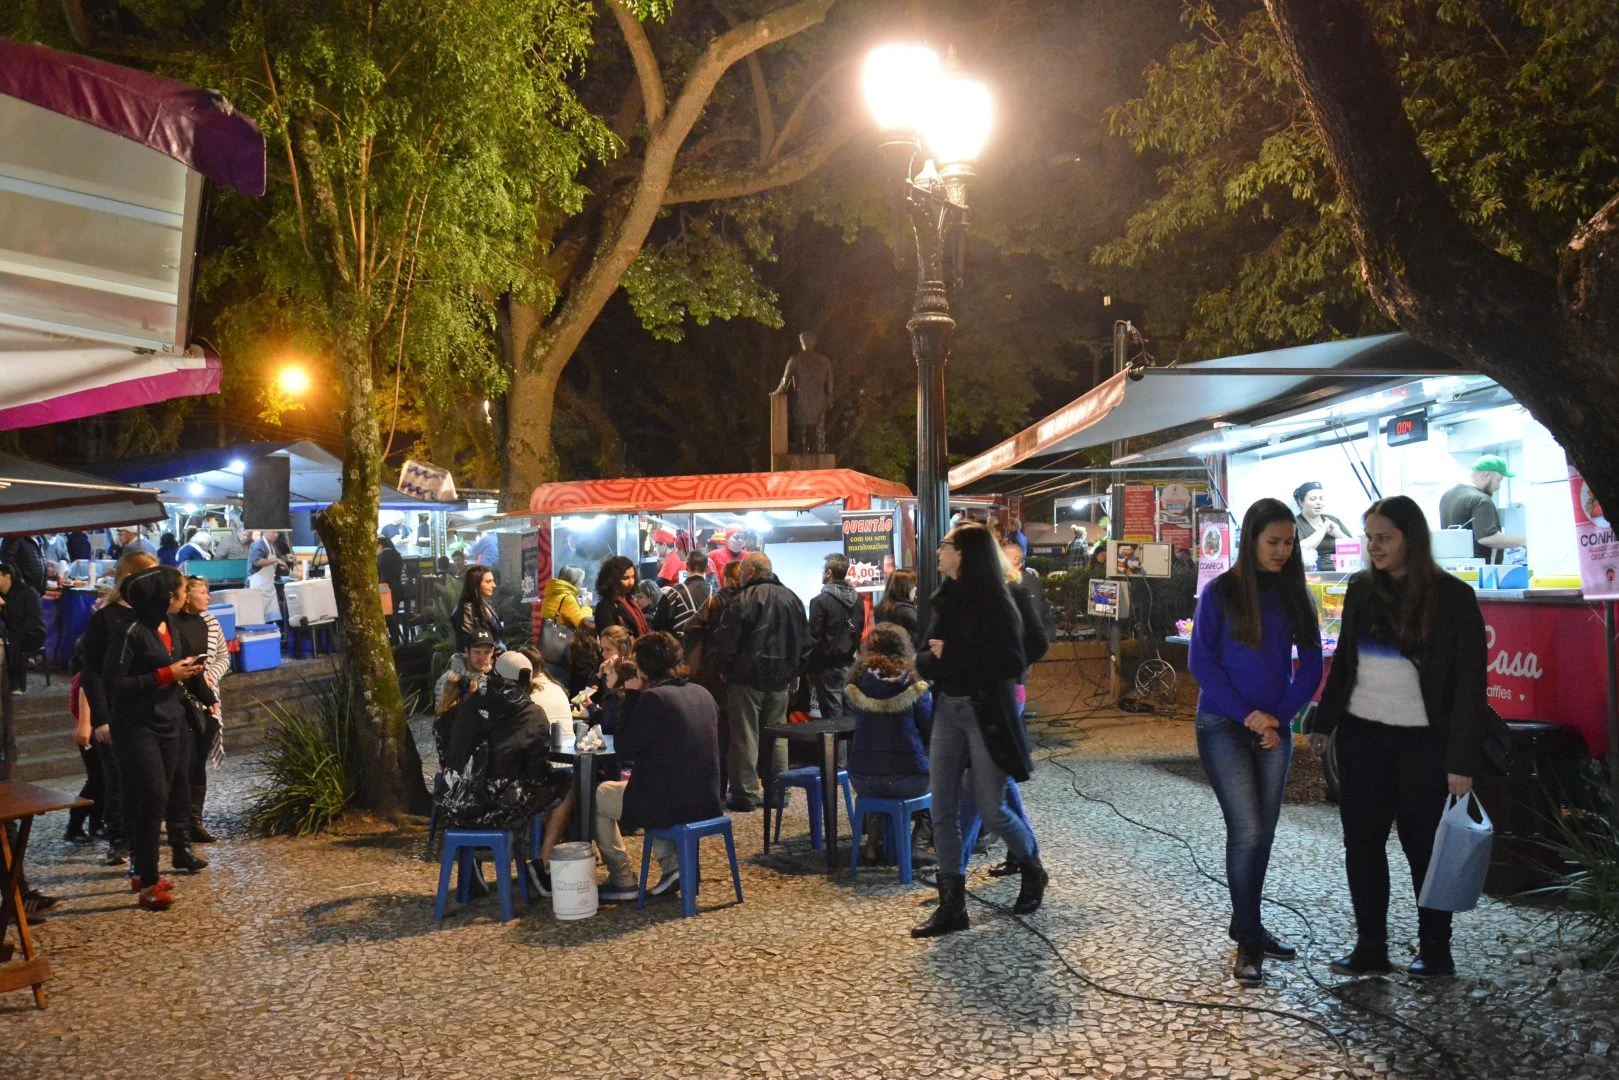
(647, 74)
(761, 91)
(1422, 266)
(697, 185)
(796, 117)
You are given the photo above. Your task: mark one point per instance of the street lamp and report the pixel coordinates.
(293, 380)
(917, 103)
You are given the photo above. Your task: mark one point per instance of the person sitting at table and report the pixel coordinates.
(584, 657)
(468, 674)
(670, 729)
(893, 717)
(516, 780)
(168, 549)
(22, 621)
(200, 546)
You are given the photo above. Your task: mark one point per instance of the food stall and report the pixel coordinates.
(1368, 418)
(794, 517)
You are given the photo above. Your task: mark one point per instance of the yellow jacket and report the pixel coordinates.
(562, 603)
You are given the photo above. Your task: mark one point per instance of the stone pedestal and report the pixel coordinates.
(781, 457)
(793, 462)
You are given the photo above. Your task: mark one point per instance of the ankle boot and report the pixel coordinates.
(1034, 887)
(1368, 958)
(1249, 970)
(199, 831)
(75, 826)
(186, 860)
(951, 914)
(1433, 961)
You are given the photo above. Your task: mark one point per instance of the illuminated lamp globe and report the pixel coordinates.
(957, 122)
(293, 380)
(897, 82)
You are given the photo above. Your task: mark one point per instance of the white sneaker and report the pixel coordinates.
(610, 891)
(666, 884)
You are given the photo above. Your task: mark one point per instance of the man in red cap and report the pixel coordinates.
(731, 552)
(667, 545)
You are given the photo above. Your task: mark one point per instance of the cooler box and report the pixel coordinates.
(259, 648)
(225, 614)
(249, 605)
(310, 601)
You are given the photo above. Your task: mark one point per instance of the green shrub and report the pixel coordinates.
(309, 771)
(1588, 842)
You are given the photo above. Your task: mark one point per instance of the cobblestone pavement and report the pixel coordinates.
(320, 958)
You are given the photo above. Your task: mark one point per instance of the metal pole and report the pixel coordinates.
(932, 331)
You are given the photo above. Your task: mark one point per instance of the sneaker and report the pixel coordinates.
(539, 878)
(36, 904)
(76, 837)
(620, 893)
(741, 804)
(666, 884)
(156, 898)
(117, 853)
(201, 835)
(1274, 949)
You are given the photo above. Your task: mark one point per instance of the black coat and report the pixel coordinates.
(137, 690)
(837, 622)
(517, 732)
(106, 626)
(762, 636)
(24, 618)
(469, 618)
(1451, 670)
(983, 658)
(25, 559)
(902, 613)
(671, 731)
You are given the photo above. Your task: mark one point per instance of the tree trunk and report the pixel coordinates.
(387, 767)
(1553, 344)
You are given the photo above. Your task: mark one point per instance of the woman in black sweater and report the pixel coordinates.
(974, 659)
(146, 683)
(1406, 698)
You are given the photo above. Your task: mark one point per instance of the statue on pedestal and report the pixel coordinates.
(808, 384)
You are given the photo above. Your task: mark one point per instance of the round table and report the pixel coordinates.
(827, 733)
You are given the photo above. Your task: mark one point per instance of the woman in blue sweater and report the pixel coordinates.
(1248, 622)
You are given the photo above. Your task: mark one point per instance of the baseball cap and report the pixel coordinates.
(1491, 463)
(482, 638)
(512, 665)
(663, 536)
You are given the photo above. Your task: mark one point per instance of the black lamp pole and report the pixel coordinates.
(937, 205)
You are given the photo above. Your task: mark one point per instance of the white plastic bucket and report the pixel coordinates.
(573, 881)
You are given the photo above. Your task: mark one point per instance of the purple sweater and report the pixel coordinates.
(1235, 679)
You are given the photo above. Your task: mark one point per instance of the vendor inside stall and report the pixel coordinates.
(1318, 531)
(1471, 505)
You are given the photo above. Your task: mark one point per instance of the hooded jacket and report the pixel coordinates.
(135, 674)
(518, 734)
(561, 603)
(893, 722)
(837, 622)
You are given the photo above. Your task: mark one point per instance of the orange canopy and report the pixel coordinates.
(799, 490)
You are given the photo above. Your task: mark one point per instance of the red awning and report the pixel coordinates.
(191, 125)
(801, 490)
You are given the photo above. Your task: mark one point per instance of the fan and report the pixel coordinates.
(1155, 681)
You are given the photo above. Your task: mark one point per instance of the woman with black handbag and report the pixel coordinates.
(974, 658)
(1406, 698)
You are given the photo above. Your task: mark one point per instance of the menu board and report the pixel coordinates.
(868, 541)
(1140, 513)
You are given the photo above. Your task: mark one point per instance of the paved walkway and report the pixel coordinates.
(320, 958)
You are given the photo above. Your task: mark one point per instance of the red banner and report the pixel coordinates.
(1545, 663)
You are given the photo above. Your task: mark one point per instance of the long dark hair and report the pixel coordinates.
(607, 587)
(1404, 615)
(1239, 586)
(470, 596)
(901, 589)
(982, 576)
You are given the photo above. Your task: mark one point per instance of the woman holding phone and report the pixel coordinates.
(1406, 698)
(1249, 620)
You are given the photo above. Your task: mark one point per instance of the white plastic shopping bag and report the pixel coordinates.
(1461, 857)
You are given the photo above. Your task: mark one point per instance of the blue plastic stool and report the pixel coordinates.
(432, 820)
(809, 778)
(459, 845)
(685, 838)
(897, 813)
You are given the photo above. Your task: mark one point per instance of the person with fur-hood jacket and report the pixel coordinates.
(893, 715)
(148, 678)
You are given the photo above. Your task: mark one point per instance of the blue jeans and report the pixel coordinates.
(971, 817)
(958, 742)
(1248, 781)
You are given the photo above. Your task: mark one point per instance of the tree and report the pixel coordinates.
(1247, 243)
(1552, 339)
(417, 145)
(587, 257)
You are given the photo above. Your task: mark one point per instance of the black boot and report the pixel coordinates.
(199, 831)
(951, 914)
(76, 818)
(1249, 969)
(1433, 961)
(187, 861)
(1034, 887)
(1368, 958)
(922, 840)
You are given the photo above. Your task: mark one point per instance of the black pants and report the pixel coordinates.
(149, 765)
(1389, 776)
(827, 689)
(112, 786)
(94, 789)
(193, 775)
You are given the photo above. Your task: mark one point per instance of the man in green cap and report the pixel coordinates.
(1472, 506)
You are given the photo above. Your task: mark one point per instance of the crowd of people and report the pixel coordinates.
(686, 673)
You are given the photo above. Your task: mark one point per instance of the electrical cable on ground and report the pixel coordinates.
(1336, 991)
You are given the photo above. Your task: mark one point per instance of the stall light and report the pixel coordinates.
(1082, 502)
(1203, 449)
(189, 508)
(758, 523)
(237, 466)
(584, 524)
(195, 488)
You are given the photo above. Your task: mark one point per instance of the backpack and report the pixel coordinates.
(842, 648)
